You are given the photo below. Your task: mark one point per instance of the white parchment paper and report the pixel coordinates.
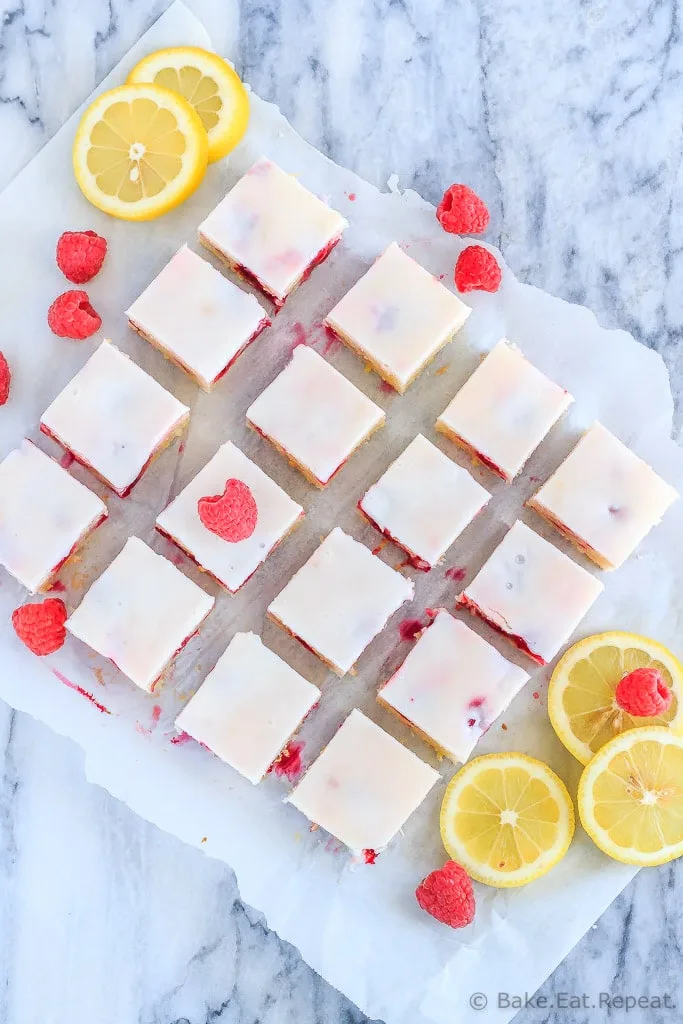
(358, 925)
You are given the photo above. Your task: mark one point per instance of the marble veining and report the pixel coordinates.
(566, 118)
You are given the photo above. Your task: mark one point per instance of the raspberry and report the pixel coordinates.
(462, 212)
(72, 316)
(643, 693)
(409, 629)
(290, 763)
(41, 626)
(231, 515)
(447, 895)
(5, 379)
(80, 255)
(477, 270)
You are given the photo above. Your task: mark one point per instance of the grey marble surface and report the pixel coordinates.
(565, 116)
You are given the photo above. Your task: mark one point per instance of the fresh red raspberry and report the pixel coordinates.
(80, 255)
(72, 316)
(447, 895)
(477, 270)
(643, 693)
(5, 379)
(462, 212)
(231, 515)
(41, 626)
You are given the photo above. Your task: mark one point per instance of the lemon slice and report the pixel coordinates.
(581, 703)
(139, 151)
(207, 82)
(507, 818)
(631, 797)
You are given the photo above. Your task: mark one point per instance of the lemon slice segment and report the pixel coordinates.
(209, 84)
(581, 701)
(507, 818)
(631, 797)
(139, 151)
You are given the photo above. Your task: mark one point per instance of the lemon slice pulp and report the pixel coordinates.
(581, 702)
(139, 151)
(209, 84)
(631, 797)
(507, 818)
